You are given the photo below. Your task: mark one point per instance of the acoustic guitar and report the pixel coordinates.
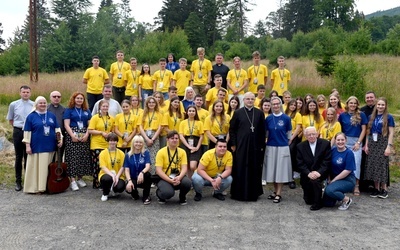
(57, 180)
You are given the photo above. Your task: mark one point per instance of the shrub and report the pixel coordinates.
(349, 78)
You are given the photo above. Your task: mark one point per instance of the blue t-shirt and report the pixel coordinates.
(136, 163)
(342, 161)
(347, 128)
(278, 127)
(41, 142)
(378, 122)
(77, 114)
(187, 103)
(174, 66)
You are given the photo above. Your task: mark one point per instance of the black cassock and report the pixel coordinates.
(247, 133)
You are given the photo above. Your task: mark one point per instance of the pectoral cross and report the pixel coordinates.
(252, 128)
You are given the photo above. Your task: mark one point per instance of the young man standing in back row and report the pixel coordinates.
(17, 113)
(117, 75)
(95, 77)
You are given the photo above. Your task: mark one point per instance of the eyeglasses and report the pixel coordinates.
(56, 96)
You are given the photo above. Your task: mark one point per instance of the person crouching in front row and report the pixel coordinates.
(111, 176)
(171, 167)
(214, 170)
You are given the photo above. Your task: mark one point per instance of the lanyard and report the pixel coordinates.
(115, 157)
(162, 75)
(127, 121)
(281, 75)
(133, 75)
(311, 122)
(237, 75)
(137, 110)
(150, 119)
(120, 66)
(105, 123)
(219, 124)
(137, 161)
(256, 72)
(377, 120)
(175, 117)
(79, 113)
(200, 64)
(45, 118)
(219, 163)
(191, 129)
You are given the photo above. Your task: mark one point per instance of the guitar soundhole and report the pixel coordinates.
(58, 171)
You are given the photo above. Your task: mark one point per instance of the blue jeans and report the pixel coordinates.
(337, 189)
(165, 95)
(146, 93)
(198, 183)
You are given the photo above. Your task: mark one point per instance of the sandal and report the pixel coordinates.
(271, 196)
(277, 199)
(356, 191)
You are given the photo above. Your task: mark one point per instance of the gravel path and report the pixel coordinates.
(79, 220)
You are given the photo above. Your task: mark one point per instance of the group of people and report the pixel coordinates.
(180, 129)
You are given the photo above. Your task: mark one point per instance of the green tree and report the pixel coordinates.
(259, 29)
(237, 20)
(58, 52)
(194, 31)
(337, 13)
(2, 41)
(299, 15)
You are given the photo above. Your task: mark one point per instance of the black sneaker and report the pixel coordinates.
(219, 196)
(182, 202)
(375, 193)
(292, 185)
(383, 194)
(197, 197)
(161, 201)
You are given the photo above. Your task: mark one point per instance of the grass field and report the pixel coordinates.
(381, 76)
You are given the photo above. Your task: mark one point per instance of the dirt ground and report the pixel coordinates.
(79, 220)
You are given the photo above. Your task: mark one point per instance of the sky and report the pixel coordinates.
(13, 13)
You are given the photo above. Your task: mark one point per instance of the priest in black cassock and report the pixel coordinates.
(247, 136)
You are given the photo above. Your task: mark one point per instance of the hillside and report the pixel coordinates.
(390, 12)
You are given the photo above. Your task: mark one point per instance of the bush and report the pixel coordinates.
(239, 49)
(349, 78)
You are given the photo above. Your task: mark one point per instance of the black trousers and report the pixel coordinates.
(106, 181)
(20, 153)
(312, 190)
(146, 185)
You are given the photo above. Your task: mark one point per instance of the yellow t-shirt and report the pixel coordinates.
(329, 131)
(236, 79)
(132, 85)
(297, 120)
(146, 81)
(137, 112)
(95, 80)
(105, 159)
(187, 126)
(200, 69)
(118, 71)
(216, 128)
(172, 122)
(152, 121)
(162, 159)
(257, 102)
(182, 78)
(212, 93)
(163, 80)
(202, 113)
(281, 79)
(209, 161)
(105, 124)
(257, 72)
(308, 120)
(125, 123)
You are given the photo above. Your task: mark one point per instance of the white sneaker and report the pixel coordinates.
(81, 183)
(345, 205)
(264, 182)
(74, 186)
(104, 198)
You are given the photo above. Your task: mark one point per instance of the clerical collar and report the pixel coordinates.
(276, 115)
(249, 109)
